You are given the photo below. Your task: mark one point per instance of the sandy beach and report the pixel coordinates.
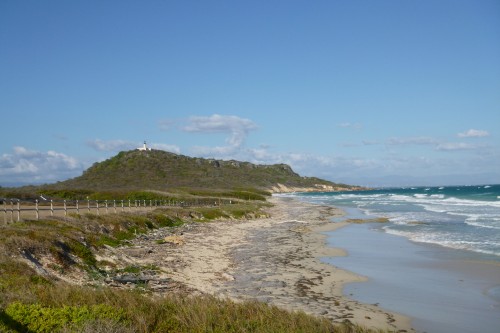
(276, 260)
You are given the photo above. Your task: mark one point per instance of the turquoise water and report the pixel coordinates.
(447, 278)
(459, 217)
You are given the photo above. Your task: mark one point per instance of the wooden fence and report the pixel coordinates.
(19, 210)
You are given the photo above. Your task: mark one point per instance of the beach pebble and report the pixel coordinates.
(227, 277)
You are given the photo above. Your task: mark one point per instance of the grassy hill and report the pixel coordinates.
(160, 170)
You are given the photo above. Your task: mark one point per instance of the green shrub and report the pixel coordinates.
(66, 194)
(212, 213)
(37, 318)
(166, 221)
(82, 252)
(132, 269)
(38, 279)
(107, 240)
(246, 195)
(144, 195)
(126, 234)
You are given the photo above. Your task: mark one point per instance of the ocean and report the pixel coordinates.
(458, 217)
(436, 259)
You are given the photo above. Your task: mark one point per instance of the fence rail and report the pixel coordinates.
(19, 210)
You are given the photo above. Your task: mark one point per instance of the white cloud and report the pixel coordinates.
(237, 129)
(420, 140)
(356, 126)
(370, 142)
(112, 145)
(220, 124)
(30, 166)
(166, 147)
(123, 145)
(451, 146)
(473, 133)
(361, 169)
(330, 167)
(220, 151)
(349, 145)
(438, 145)
(262, 156)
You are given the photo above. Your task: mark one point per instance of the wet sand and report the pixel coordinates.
(443, 290)
(276, 260)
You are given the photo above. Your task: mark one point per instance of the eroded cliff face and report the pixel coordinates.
(280, 188)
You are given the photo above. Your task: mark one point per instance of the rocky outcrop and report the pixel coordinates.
(280, 188)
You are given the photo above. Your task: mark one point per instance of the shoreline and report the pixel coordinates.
(294, 275)
(276, 260)
(440, 288)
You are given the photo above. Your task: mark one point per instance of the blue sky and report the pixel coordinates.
(372, 93)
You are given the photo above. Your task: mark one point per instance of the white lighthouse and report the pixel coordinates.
(144, 147)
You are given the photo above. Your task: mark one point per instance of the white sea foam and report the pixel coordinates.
(484, 221)
(409, 219)
(471, 203)
(441, 200)
(437, 209)
(444, 240)
(461, 221)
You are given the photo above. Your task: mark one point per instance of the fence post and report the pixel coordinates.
(77, 208)
(106, 203)
(18, 210)
(144, 204)
(65, 209)
(114, 205)
(37, 212)
(151, 204)
(97, 204)
(123, 209)
(129, 207)
(11, 211)
(51, 207)
(88, 205)
(5, 210)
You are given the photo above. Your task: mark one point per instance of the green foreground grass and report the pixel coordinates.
(30, 302)
(64, 308)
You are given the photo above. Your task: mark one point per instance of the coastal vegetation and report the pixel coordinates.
(63, 308)
(35, 255)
